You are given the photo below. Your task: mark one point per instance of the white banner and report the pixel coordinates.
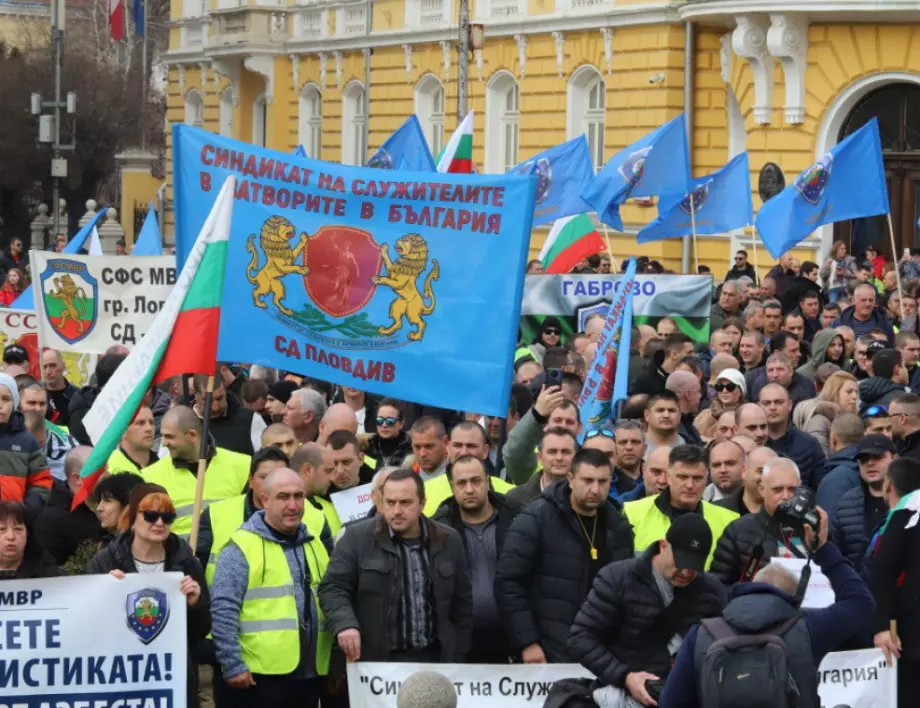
(93, 642)
(819, 592)
(353, 504)
(852, 679)
(89, 303)
(21, 327)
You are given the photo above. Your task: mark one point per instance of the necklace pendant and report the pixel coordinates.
(593, 553)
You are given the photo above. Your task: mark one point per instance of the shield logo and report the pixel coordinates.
(599, 308)
(631, 168)
(381, 160)
(811, 182)
(699, 196)
(70, 296)
(147, 613)
(342, 261)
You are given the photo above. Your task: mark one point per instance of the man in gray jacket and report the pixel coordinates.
(397, 587)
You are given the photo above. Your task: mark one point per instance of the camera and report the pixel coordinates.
(799, 511)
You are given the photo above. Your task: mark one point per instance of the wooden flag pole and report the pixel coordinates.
(202, 462)
(894, 256)
(609, 249)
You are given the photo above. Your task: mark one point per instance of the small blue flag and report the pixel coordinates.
(562, 173)
(301, 151)
(140, 17)
(148, 242)
(608, 376)
(721, 202)
(847, 183)
(405, 149)
(657, 164)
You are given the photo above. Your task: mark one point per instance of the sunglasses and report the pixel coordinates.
(552, 330)
(388, 421)
(730, 387)
(873, 411)
(151, 517)
(602, 431)
(739, 259)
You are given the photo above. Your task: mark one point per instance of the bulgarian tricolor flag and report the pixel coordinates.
(571, 239)
(181, 340)
(457, 155)
(117, 19)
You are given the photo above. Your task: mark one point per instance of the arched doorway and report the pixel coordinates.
(897, 107)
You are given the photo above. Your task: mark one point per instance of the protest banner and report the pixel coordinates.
(851, 679)
(353, 504)
(398, 283)
(94, 641)
(89, 303)
(819, 592)
(687, 299)
(21, 327)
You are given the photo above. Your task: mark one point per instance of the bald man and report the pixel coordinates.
(339, 416)
(227, 471)
(686, 387)
(315, 464)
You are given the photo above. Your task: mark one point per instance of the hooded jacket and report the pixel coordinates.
(24, 473)
(819, 347)
(841, 475)
(880, 391)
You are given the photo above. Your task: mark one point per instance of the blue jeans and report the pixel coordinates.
(834, 294)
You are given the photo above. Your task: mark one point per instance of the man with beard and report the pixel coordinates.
(662, 418)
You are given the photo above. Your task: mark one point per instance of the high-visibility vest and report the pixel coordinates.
(269, 625)
(330, 514)
(226, 477)
(120, 463)
(438, 489)
(226, 518)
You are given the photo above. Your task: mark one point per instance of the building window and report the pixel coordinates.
(502, 118)
(587, 104)
(260, 121)
(194, 109)
(226, 112)
(354, 151)
(193, 8)
(311, 121)
(429, 107)
(428, 13)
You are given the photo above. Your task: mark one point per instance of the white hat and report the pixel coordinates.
(736, 377)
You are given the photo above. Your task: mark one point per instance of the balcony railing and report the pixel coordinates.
(250, 24)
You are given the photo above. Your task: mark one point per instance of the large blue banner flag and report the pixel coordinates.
(401, 284)
(562, 173)
(657, 164)
(847, 183)
(405, 149)
(720, 202)
(608, 377)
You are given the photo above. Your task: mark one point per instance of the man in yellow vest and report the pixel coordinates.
(268, 628)
(227, 472)
(315, 465)
(136, 449)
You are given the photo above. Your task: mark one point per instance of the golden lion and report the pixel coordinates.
(402, 277)
(67, 292)
(276, 232)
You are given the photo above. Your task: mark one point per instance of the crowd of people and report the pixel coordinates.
(632, 548)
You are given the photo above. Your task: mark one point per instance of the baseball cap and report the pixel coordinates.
(691, 540)
(874, 446)
(874, 348)
(15, 354)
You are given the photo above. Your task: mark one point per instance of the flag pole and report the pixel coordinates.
(607, 241)
(894, 255)
(144, 76)
(754, 244)
(696, 253)
(202, 462)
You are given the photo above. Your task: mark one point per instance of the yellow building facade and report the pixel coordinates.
(783, 80)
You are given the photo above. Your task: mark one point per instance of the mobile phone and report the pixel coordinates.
(554, 377)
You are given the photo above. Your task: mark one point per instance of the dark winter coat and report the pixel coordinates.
(448, 513)
(910, 446)
(543, 572)
(802, 449)
(389, 453)
(36, 561)
(880, 391)
(622, 628)
(734, 502)
(735, 548)
(800, 389)
(850, 525)
(877, 320)
(24, 473)
(652, 380)
(530, 491)
(62, 531)
(233, 431)
(79, 406)
(842, 474)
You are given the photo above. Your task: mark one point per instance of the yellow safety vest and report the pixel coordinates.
(120, 463)
(226, 477)
(226, 518)
(329, 513)
(438, 489)
(370, 462)
(269, 625)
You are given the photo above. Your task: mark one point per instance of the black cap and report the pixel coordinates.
(15, 354)
(875, 446)
(874, 348)
(282, 390)
(691, 540)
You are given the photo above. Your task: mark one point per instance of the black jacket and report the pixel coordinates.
(652, 379)
(852, 521)
(735, 547)
(910, 446)
(530, 491)
(734, 502)
(62, 531)
(389, 452)
(448, 513)
(80, 404)
(735, 273)
(233, 431)
(36, 561)
(879, 391)
(624, 625)
(800, 389)
(687, 430)
(543, 573)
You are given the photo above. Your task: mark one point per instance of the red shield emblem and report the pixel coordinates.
(342, 261)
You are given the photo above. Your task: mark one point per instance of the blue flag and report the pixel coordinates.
(562, 173)
(365, 278)
(26, 301)
(657, 164)
(405, 149)
(721, 202)
(301, 151)
(847, 183)
(608, 376)
(148, 242)
(140, 17)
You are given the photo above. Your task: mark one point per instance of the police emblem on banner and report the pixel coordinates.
(699, 197)
(811, 183)
(632, 167)
(543, 170)
(70, 297)
(147, 613)
(381, 160)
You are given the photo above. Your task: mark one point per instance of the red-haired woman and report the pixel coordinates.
(146, 545)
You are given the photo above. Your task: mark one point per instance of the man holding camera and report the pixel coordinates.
(750, 542)
(771, 605)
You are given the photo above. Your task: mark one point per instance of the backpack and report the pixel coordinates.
(747, 670)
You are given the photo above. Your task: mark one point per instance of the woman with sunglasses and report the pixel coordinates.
(146, 545)
(730, 389)
(550, 335)
(390, 445)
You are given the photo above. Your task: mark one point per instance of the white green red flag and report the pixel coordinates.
(181, 340)
(571, 239)
(457, 156)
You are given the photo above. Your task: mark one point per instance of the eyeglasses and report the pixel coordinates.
(388, 421)
(151, 517)
(600, 431)
(552, 330)
(730, 387)
(737, 259)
